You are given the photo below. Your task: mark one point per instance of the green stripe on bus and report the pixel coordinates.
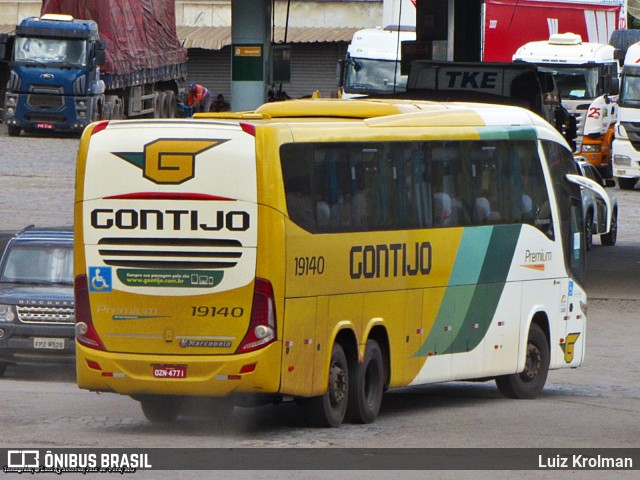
(464, 276)
(491, 282)
(507, 133)
(475, 287)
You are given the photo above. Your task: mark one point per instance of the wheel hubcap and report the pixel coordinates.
(337, 385)
(534, 363)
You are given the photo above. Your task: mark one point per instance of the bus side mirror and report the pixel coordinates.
(597, 190)
(100, 54)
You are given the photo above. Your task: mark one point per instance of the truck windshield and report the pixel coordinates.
(575, 83)
(46, 264)
(373, 76)
(47, 50)
(630, 91)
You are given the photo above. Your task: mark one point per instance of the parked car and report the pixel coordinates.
(36, 298)
(595, 214)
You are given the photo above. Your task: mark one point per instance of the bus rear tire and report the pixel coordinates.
(329, 410)
(161, 409)
(530, 382)
(367, 386)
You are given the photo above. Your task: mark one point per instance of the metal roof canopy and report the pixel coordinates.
(216, 38)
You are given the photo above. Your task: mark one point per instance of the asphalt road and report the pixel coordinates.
(597, 405)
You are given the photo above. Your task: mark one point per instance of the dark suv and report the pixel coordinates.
(36, 298)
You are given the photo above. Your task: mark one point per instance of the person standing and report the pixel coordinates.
(200, 98)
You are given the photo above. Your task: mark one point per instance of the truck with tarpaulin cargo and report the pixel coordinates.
(86, 60)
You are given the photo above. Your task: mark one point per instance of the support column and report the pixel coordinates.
(251, 39)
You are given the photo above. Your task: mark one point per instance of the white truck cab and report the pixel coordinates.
(372, 64)
(626, 146)
(587, 78)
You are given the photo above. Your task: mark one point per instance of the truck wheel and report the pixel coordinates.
(118, 113)
(171, 104)
(627, 183)
(13, 130)
(161, 409)
(329, 409)
(609, 239)
(530, 382)
(160, 110)
(367, 386)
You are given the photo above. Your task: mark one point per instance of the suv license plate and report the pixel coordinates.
(48, 343)
(170, 371)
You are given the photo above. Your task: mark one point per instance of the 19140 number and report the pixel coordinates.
(207, 311)
(309, 266)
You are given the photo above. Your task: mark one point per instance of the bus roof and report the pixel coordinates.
(387, 112)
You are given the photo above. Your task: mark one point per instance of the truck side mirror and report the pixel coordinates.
(614, 85)
(340, 72)
(100, 54)
(618, 54)
(3, 47)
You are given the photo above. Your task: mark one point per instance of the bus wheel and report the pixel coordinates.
(329, 409)
(3, 369)
(367, 386)
(161, 409)
(13, 131)
(530, 382)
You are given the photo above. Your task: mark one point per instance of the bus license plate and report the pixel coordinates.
(170, 371)
(45, 126)
(48, 343)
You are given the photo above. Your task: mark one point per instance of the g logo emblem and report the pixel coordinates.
(169, 161)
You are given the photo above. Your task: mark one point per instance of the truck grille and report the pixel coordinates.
(45, 102)
(43, 97)
(46, 314)
(177, 253)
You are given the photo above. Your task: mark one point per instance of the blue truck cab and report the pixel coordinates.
(54, 83)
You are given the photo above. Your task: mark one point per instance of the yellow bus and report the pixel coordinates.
(324, 251)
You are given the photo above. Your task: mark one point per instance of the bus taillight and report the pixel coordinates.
(85, 332)
(262, 327)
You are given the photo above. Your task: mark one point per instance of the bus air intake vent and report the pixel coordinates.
(167, 253)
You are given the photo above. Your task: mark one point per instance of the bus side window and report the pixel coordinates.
(297, 161)
(534, 187)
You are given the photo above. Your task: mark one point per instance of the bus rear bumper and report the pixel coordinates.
(190, 375)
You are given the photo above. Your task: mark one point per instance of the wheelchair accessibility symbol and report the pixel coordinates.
(100, 279)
